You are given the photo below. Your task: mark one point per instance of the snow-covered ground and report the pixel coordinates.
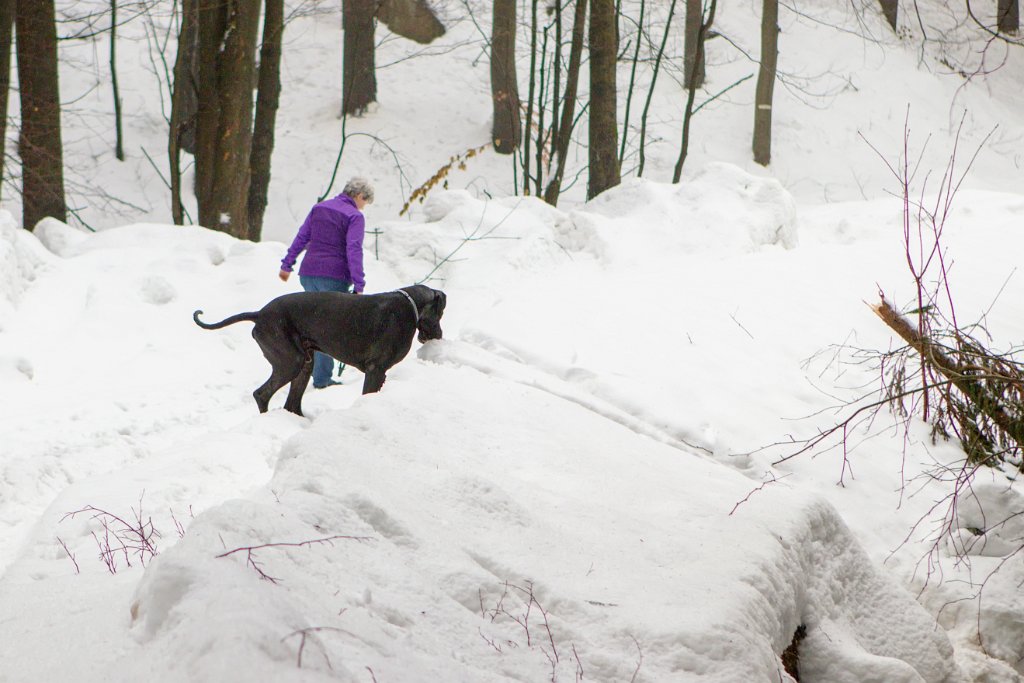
(572, 484)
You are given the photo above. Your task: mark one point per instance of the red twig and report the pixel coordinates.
(639, 662)
(251, 560)
(304, 633)
(64, 545)
(759, 488)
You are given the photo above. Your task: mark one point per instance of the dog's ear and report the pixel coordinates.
(439, 301)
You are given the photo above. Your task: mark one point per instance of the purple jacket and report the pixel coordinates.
(332, 236)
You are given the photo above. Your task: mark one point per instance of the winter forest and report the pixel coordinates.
(731, 386)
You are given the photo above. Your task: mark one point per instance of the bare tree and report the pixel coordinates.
(184, 102)
(227, 45)
(694, 16)
(7, 8)
(650, 92)
(507, 127)
(603, 138)
(766, 82)
(632, 81)
(412, 19)
(359, 79)
(42, 160)
(706, 20)
(563, 134)
(266, 114)
(118, 128)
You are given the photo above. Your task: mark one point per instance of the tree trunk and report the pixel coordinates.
(6, 28)
(603, 139)
(890, 9)
(650, 93)
(507, 126)
(565, 126)
(118, 128)
(359, 81)
(694, 17)
(226, 55)
(184, 103)
(684, 144)
(632, 82)
(266, 114)
(1009, 17)
(531, 91)
(766, 82)
(42, 161)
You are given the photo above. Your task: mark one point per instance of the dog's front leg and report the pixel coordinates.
(373, 380)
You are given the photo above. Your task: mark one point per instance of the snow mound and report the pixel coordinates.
(183, 240)
(59, 237)
(721, 209)
(21, 258)
(473, 242)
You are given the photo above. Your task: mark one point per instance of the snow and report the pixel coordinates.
(579, 481)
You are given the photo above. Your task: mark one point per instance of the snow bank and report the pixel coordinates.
(21, 258)
(721, 209)
(441, 538)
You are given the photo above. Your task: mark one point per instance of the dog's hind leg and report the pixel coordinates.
(281, 375)
(286, 360)
(294, 401)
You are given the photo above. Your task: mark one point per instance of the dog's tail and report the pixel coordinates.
(251, 316)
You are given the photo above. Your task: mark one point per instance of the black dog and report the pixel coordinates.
(370, 332)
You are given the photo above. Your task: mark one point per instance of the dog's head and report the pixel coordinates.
(431, 304)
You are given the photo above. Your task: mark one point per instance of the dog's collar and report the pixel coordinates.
(415, 308)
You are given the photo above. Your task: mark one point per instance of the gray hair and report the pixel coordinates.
(356, 186)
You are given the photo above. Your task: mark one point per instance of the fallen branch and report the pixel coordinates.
(967, 379)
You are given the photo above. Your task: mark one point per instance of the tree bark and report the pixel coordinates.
(184, 103)
(603, 138)
(507, 126)
(226, 55)
(267, 100)
(42, 161)
(1009, 17)
(565, 126)
(766, 82)
(359, 80)
(6, 34)
(694, 17)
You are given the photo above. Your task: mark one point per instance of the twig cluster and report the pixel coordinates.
(519, 604)
(119, 538)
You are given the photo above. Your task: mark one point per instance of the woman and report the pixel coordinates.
(332, 236)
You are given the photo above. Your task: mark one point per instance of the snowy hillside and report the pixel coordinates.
(578, 482)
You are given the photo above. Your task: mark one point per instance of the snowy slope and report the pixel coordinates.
(573, 484)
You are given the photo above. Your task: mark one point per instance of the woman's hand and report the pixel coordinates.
(284, 275)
